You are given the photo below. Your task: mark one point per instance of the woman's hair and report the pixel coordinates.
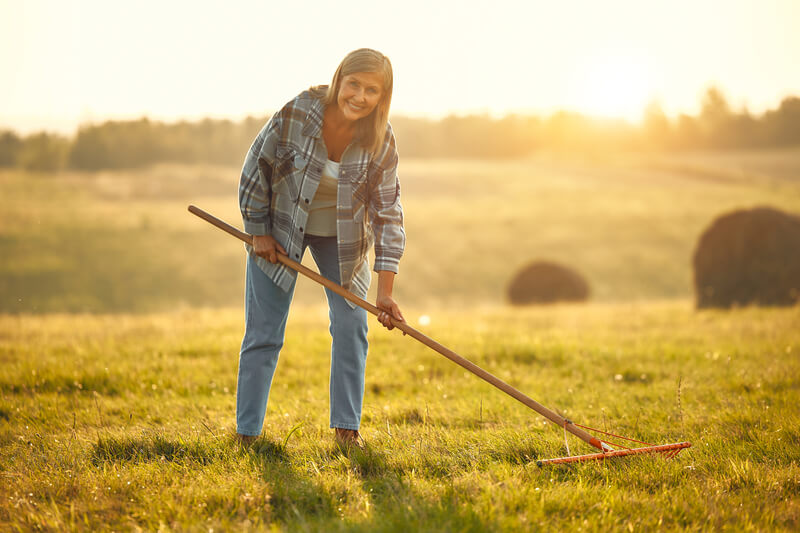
(371, 129)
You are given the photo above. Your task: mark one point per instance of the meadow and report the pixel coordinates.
(123, 241)
(125, 422)
(120, 323)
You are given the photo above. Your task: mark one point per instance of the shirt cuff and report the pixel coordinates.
(390, 264)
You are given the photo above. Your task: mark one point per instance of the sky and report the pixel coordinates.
(65, 63)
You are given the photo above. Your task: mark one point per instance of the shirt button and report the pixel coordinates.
(297, 256)
(306, 200)
(301, 229)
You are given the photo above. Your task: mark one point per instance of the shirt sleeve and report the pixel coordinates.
(385, 210)
(255, 184)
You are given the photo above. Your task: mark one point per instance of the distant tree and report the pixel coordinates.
(116, 145)
(744, 130)
(715, 108)
(467, 136)
(90, 150)
(715, 120)
(656, 126)
(43, 152)
(566, 129)
(10, 145)
(138, 143)
(687, 132)
(782, 126)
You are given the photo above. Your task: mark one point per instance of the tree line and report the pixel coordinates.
(139, 143)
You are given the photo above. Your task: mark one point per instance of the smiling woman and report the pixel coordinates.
(359, 94)
(357, 97)
(322, 175)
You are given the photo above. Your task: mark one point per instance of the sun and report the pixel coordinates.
(615, 86)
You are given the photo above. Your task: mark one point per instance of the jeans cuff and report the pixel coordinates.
(344, 425)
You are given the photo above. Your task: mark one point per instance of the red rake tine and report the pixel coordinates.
(672, 454)
(669, 449)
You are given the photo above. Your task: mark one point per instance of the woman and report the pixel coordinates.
(322, 174)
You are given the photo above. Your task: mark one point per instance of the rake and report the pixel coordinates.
(582, 432)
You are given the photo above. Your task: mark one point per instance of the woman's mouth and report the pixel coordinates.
(355, 107)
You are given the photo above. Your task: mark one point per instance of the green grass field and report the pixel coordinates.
(125, 422)
(120, 321)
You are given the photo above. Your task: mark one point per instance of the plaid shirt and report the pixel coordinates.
(280, 177)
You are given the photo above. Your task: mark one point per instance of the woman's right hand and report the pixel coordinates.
(267, 247)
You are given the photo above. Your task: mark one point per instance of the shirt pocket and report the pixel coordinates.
(359, 185)
(287, 174)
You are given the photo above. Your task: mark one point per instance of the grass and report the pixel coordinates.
(124, 422)
(123, 241)
(120, 323)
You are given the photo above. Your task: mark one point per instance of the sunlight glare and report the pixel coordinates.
(613, 87)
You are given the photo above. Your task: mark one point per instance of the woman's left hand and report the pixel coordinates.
(389, 309)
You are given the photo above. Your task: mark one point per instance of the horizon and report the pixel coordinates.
(69, 129)
(75, 64)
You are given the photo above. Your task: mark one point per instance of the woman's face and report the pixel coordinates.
(359, 94)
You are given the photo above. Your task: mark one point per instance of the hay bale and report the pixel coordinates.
(748, 257)
(547, 282)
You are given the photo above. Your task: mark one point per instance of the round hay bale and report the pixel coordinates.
(547, 282)
(748, 257)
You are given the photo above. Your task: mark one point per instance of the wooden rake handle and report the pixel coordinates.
(405, 328)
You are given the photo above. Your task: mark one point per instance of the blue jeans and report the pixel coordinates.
(266, 311)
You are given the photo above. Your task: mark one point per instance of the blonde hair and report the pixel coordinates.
(371, 129)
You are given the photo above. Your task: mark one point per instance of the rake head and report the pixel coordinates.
(669, 451)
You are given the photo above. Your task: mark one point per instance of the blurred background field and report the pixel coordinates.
(122, 240)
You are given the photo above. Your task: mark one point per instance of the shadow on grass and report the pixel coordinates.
(153, 448)
(299, 501)
(294, 498)
(396, 502)
(516, 449)
(398, 506)
(366, 462)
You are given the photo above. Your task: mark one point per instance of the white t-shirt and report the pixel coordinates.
(322, 212)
